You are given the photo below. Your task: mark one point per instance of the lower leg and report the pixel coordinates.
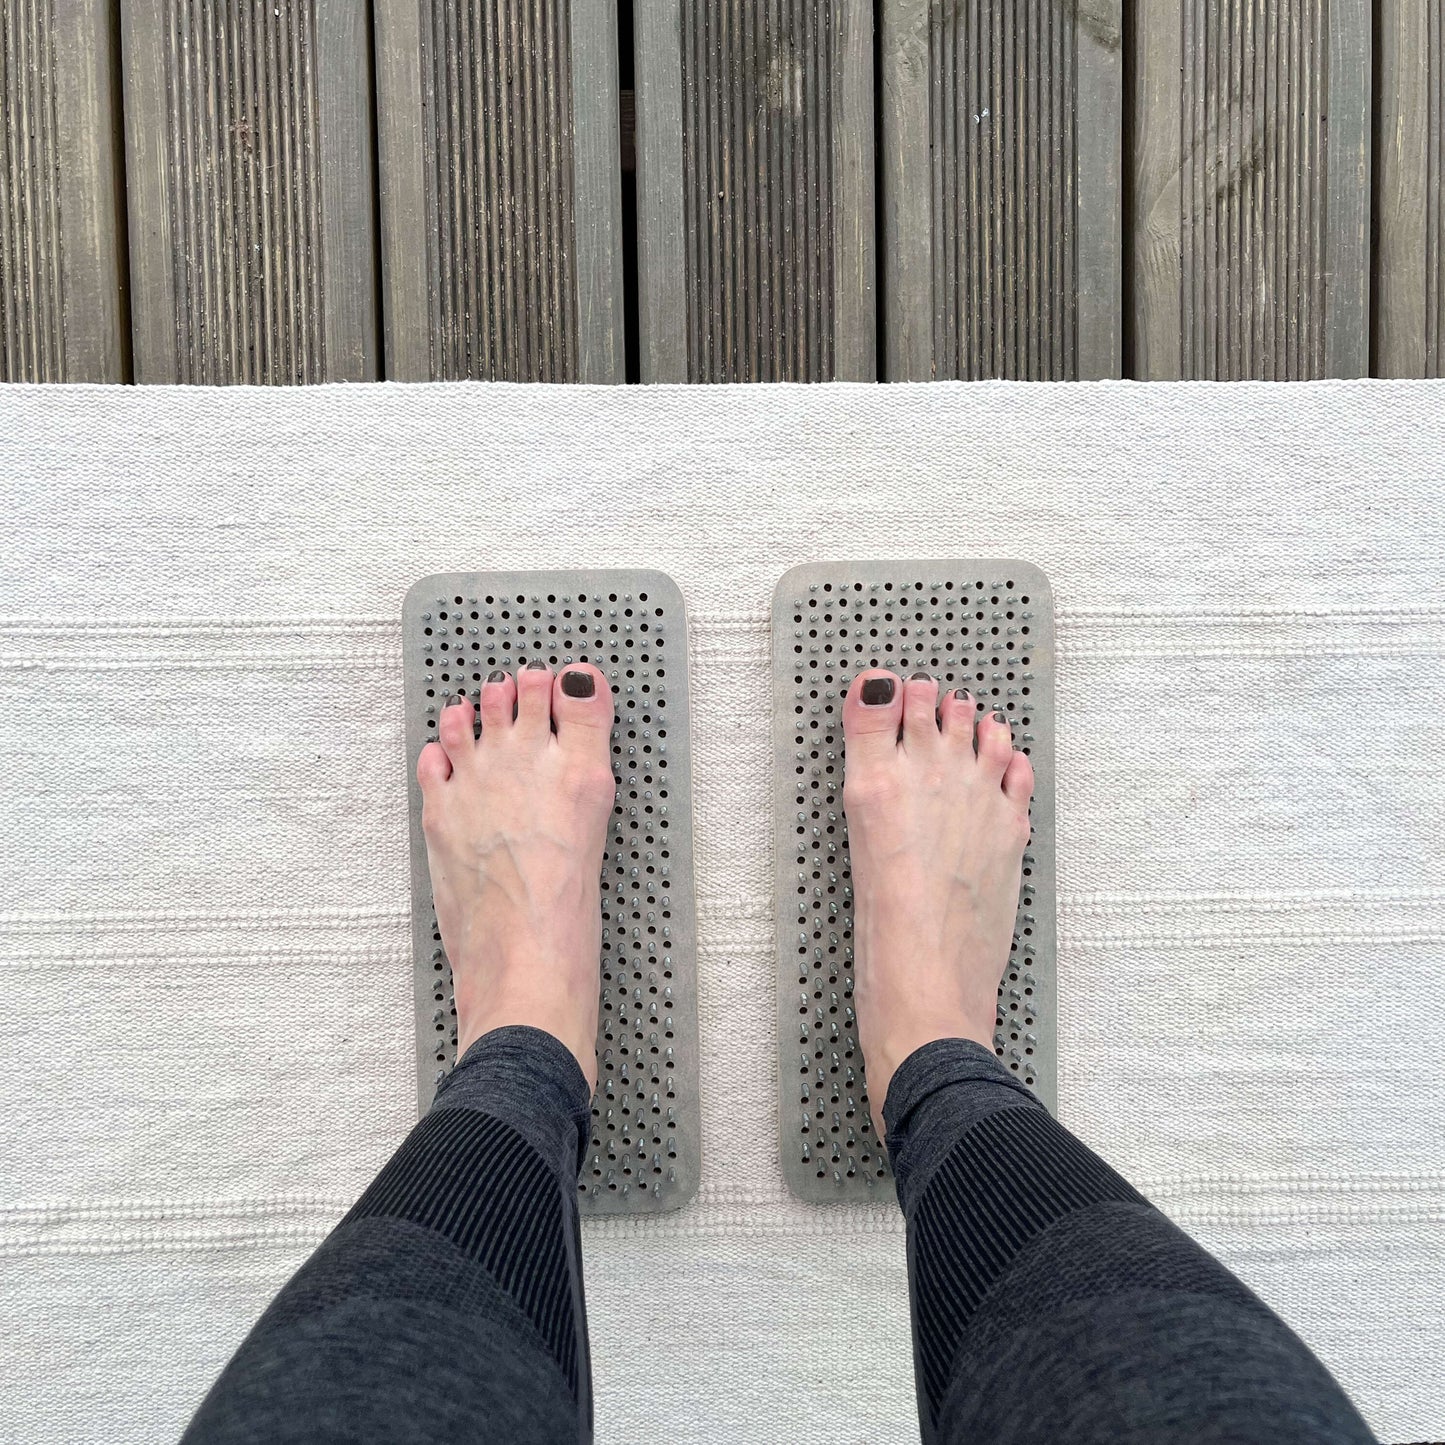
(1030, 1260)
(452, 1293)
(1050, 1301)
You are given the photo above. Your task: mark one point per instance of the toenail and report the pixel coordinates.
(1000, 717)
(536, 665)
(961, 693)
(497, 676)
(920, 677)
(578, 684)
(877, 691)
(454, 699)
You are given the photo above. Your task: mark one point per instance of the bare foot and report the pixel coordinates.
(936, 836)
(516, 825)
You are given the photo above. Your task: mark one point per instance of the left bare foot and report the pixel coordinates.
(516, 826)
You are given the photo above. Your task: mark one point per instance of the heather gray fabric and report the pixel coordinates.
(1051, 1302)
(447, 1305)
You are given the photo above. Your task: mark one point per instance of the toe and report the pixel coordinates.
(456, 727)
(432, 768)
(958, 712)
(1018, 780)
(499, 701)
(920, 709)
(873, 711)
(582, 706)
(995, 745)
(534, 699)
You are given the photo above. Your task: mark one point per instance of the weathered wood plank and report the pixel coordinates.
(755, 190)
(1002, 124)
(500, 189)
(249, 165)
(1251, 165)
(1409, 317)
(62, 247)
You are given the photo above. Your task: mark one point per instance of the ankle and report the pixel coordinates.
(883, 1057)
(530, 1004)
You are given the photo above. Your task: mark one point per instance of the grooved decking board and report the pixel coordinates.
(61, 225)
(986, 626)
(644, 1152)
(501, 200)
(1000, 189)
(248, 161)
(1409, 319)
(1251, 211)
(755, 218)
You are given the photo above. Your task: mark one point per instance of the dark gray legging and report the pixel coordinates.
(1051, 1302)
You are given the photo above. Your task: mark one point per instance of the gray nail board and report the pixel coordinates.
(501, 191)
(457, 627)
(755, 221)
(984, 625)
(1001, 196)
(249, 186)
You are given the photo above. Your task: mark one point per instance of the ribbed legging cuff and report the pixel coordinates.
(936, 1095)
(493, 1168)
(982, 1170)
(530, 1079)
(1051, 1301)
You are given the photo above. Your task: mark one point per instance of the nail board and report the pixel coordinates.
(643, 1155)
(984, 626)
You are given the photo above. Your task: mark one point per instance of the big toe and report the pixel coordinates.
(872, 716)
(582, 707)
(1018, 780)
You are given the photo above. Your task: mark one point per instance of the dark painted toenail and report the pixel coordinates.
(920, 677)
(536, 665)
(497, 676)
(1000, 717)
(961, 694)
(578, 684)
(877, 691)
(454, 699)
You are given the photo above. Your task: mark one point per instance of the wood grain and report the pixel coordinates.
(248, 162)
(1409, 319)
(62, 247)
(1251, 173)
(500, 189)
(1001, 198)
(755, 190)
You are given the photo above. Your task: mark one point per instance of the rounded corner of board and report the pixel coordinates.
(666, 586)
(793, 577)
(422, 587)
(1038, 579)
(687, 1197)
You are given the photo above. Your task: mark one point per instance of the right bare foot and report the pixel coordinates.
(936, 835)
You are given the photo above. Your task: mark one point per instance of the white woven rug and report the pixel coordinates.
(205, 1032)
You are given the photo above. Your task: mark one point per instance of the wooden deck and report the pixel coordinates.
(292, 191)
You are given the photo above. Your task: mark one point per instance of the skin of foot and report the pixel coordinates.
(937, 803)
(516, 822)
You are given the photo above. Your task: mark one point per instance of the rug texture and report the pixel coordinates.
(205, 1000)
